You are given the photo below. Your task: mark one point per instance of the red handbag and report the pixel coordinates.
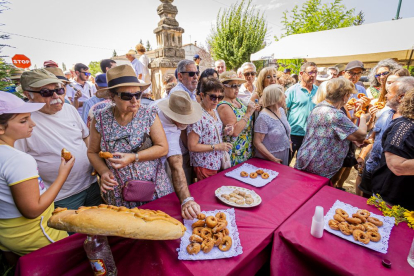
(135, 190)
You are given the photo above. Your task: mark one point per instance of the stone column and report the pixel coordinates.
(169, 50)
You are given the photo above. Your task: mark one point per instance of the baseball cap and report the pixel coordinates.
(50, 63)
(197, 56)
(355, 64)
(37, 78)
(100, 80)
(287, 70)
(10, 103)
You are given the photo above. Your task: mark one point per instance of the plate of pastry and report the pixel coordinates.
(249, 174)
(238, 196)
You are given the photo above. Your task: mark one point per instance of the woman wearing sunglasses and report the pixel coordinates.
(204, 137)
(234, 112)
(133, 134)
(378, 75)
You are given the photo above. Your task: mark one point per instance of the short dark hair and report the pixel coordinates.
(206, 73)
(106, 63)
(210, 84)
(80, 66)
(5, 118)
(306, 65)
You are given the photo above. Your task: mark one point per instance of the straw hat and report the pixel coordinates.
(230, 76)
(58, 73)
(123, 75)
(15, 74)
(132, 53)
(180, 108)
(323, 74)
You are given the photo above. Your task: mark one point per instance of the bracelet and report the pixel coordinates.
(187, 200)
(212, 147)
(136, 157)
(245, 120)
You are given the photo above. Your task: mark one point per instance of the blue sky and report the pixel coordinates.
(107, 25)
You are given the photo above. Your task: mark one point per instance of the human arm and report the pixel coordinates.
(190, 209)
(228, 117)
(361, 133)
(399, 165)
(194, 146)
(258, 144)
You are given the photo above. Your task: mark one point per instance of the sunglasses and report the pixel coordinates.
(249, 74)
(86, 73)
(234, 86)
(381, 74)
(215, 98)
(45, 93)
(126, 96)
(191, 74)
(352, 74)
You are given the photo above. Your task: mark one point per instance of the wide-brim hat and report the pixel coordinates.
(230, 76)
(324, 77)
(180, 108)
(123, 75)
(58, 73)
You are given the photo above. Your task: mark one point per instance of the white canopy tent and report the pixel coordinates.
(368, 43)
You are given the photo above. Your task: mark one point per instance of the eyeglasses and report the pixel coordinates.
(381, 74)
(234, 86)
(271, 76)
(354, 74)
(191, 73)
(249, 74)
(45, 93)
(86, 73)
(215, 98)
(313, 73)
(126, 96)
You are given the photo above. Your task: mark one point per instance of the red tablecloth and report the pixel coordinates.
(296, 252)
(280, 198)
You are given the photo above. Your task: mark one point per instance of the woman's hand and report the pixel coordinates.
(190, 210)
(224, 146)
(121, 160)
(277, 160)
(373, 110)
(349, 107)
(66, 167)
(107, 181)
(251, 107)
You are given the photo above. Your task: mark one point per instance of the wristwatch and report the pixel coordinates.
(136, 157)
(212, 147)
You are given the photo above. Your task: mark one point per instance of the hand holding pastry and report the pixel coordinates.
(190, 210)
(107, 181)
(120, 160)
(105, 155)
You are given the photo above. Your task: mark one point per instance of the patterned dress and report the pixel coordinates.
(205, 128)
(325, 146)
(128, 139)
(375, 91)
(242, 144)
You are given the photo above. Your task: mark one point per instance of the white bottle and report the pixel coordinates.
(318, 223)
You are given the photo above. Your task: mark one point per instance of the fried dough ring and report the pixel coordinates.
(379, 105)
(333, 224)
(352, 102)
(220, 226)
(339, 218)
(342, 213)
(207, 245)
(259, 172)
(265, 175)
(193, 248)
(359, 113)
(344, 228)
(253, 175)
(218, 238)
(357, 227)
(221, 216)
(105, 155)
(360, 95)
(244, 174)
(374, 236)
(196, 238)
(370, 227)
(198, 223)
(363, 219)
(225, 232)
(197, 231)
(206, 233)
(353, 220)
(364, 213)
(226, 244)
(202, 216)
(211, 221)
(361, 236)
(375, 221)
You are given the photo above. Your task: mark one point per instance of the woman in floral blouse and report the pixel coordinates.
(232, 111)
(328, 131)
(204, 137)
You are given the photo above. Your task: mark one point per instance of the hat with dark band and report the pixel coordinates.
(58, 73)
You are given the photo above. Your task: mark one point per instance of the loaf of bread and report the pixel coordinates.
(108, 220)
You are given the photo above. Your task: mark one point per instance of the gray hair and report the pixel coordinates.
(221, 61)
(389, 63)
(405, 84)
(182, 65)
(306, 65)
(248, 64)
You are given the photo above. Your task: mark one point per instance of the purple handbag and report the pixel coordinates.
(135, 190)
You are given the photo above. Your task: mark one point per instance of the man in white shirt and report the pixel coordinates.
(247, 89)
(58, 126)
(80, 90)
(220, 66)
(146, 77)
(136, 64)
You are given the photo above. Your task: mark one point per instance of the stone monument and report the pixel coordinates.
(169, 42)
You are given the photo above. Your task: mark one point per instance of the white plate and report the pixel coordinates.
(256, 182)
(229, 189)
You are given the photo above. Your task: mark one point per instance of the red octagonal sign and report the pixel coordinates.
(21, 61)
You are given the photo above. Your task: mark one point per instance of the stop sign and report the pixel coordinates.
(21, 61)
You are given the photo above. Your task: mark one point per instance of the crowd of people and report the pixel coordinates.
(187, 136)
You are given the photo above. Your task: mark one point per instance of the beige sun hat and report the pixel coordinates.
(58, 73)
(230, 76)
(131, 52)
(180, 108)
(123, 75)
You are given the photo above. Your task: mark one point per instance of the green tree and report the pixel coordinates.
(114, 54)
(94, 67)
(240, 31)
(148, 47)
(5, 71)
(140, 42)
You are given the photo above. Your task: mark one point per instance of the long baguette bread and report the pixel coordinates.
(108, 220)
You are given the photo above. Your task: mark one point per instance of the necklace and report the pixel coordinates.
(211, 112)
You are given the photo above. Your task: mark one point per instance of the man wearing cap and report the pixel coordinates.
(58, 126)
(197, 60)
(176, 113)
(341, 69)
(247, 91)
(79, 91)
(299, 104)
(287, 71)
(187, 75)
(220, 66)
(353, 72)
(135, 63)
(59, 74)
(50, 63)
(322, 76)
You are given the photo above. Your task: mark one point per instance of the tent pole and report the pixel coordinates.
(409, 60)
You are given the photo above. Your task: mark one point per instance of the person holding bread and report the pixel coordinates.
(25, 202)
(134, 135)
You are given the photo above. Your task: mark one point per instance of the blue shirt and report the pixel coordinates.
(87, 106)
(181, 87)
(299, 104)
(381, 125)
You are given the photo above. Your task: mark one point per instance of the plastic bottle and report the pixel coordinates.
(100, 256)
(318, 223)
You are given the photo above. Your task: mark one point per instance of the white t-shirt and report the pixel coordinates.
(15, 168)
(64, 129)
(244, 95)
(145, 73)
(138, 67)
(88, 91)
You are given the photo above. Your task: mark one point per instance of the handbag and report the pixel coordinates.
(135, 190)
(225, 159)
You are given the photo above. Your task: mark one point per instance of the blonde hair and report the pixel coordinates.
(320, 95)
(406, 107)
(273, 94)
(337, 88)
(260, 79)
(140, 48)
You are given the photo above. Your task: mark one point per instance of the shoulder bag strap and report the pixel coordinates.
(287, 133)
